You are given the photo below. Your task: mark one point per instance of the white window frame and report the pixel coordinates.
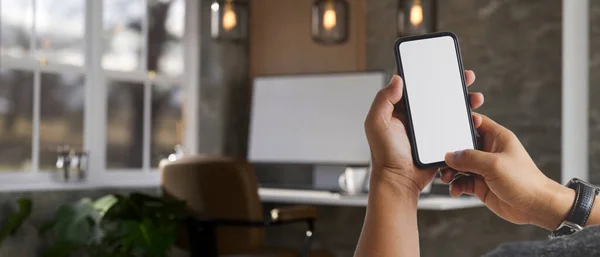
(95, 115)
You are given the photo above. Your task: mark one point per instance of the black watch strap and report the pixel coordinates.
(585, 195)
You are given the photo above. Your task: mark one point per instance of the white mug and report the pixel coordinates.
(354, 180)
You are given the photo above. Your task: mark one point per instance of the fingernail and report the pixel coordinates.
(392, 80)
(457, 155)
(450, 191)
(454, 156)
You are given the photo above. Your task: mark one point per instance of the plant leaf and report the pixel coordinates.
(76, 223)
(115, 225)
(14, 220)
(104, 204)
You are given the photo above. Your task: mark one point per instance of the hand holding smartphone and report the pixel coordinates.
(435, 97)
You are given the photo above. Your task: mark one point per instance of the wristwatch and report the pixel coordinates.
(585, 195)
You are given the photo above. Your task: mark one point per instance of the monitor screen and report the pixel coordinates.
(316, 119)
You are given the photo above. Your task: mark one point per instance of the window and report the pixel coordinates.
(16, 114)
(101, 76)
(142, 60)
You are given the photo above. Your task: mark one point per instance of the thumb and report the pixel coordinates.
(386, 98)
(470, 160)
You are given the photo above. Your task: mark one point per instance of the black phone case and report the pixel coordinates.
(410, 129)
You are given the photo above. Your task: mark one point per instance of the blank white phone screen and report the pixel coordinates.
(436, 98)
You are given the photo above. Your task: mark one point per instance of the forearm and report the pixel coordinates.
(390, 226)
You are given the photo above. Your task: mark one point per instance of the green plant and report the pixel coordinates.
(115, 225)
(14, 220)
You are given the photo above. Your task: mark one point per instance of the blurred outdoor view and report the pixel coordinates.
(55, 33)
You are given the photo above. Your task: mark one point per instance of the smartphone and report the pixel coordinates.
(435, 99)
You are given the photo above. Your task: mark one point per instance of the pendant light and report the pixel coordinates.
(229, 20)
(416, 17)
(330, 21)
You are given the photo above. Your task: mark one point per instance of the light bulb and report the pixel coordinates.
(416, 14)
(329, 19)
(214, 6)
(229, 17)
(229, 20)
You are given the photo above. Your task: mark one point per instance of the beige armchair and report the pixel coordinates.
(226, 216)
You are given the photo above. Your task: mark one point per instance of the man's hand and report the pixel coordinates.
(390, 227)
(390, 148)
(507, 180)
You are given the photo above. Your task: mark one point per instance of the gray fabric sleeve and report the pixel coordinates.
(582, 244)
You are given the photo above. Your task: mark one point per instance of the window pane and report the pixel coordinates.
(165, 33)
(16, 20)
(125, 128)
(123, 34)
(166, 121)
(61, 115)
(16, 109)
(60, 30)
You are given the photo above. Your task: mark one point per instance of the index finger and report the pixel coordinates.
(489, 126)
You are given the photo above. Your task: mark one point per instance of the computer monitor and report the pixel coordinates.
(312, 119)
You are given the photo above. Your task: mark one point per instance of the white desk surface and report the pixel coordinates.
(295, 196)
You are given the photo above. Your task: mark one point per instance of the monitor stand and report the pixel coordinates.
(326, 177)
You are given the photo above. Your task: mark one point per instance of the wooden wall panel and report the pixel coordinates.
(280, 40)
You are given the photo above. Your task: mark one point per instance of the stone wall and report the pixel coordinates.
(224, 92)
(594, 92)
(515, 49)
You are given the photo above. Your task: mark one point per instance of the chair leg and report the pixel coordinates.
(308, 238)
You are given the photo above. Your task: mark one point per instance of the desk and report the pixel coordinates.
(295, 196)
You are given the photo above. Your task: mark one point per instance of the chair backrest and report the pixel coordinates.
(218, 188)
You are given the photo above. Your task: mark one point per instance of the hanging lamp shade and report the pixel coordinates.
(416, 17)
(330, 21)
(229, 20)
